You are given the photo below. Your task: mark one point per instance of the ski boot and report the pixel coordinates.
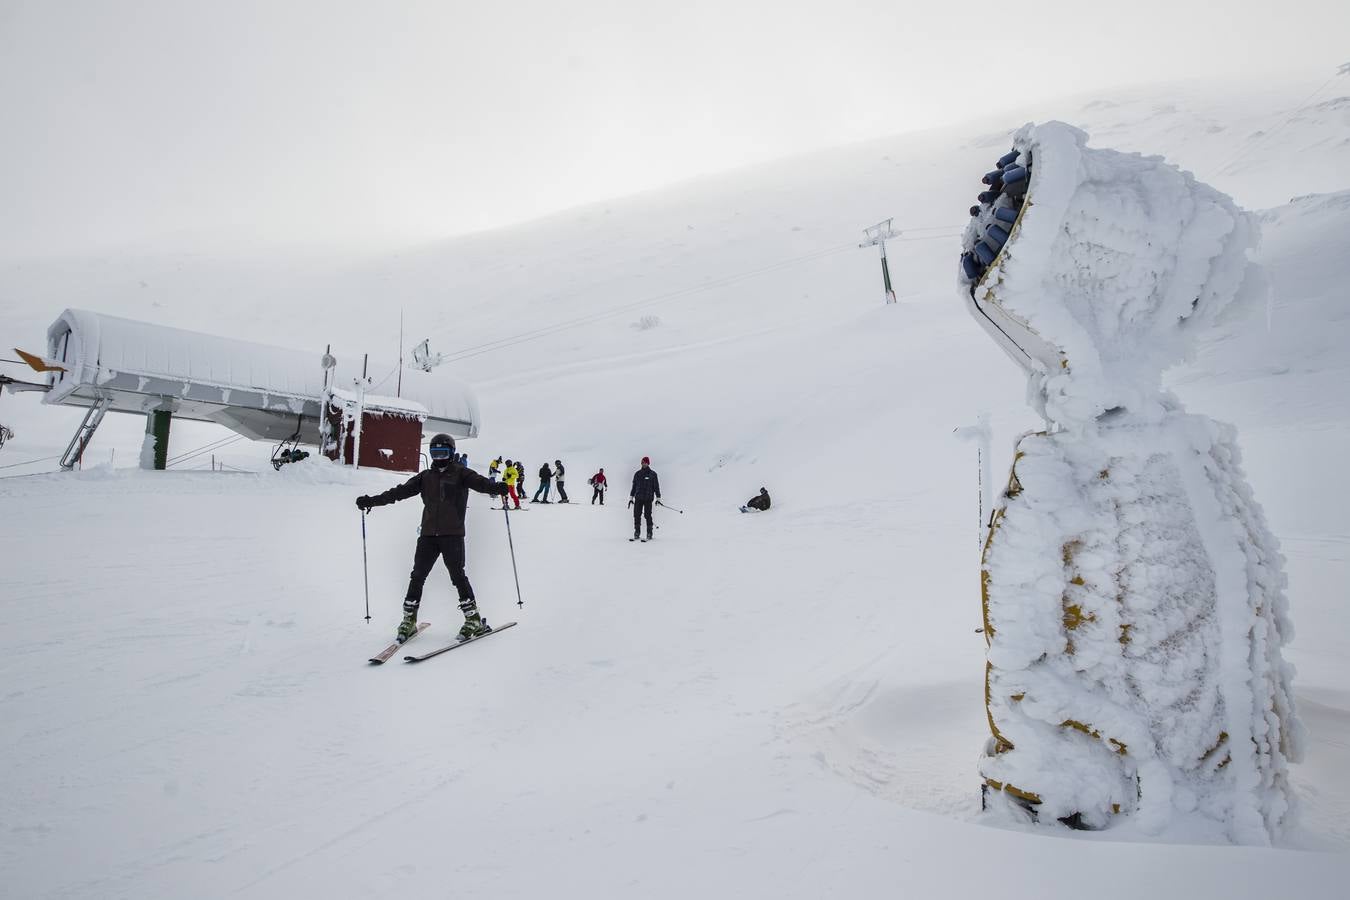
(408, 627)
(474, 624)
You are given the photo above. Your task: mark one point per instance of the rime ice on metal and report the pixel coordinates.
(1133, 596)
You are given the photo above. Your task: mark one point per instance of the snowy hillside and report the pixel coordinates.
(778, 705)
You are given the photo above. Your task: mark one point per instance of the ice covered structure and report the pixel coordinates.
(107, 363)
(1133, 596)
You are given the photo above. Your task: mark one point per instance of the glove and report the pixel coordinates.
(364, 503)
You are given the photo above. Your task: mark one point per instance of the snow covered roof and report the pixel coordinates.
(143, 366)
(380, 403)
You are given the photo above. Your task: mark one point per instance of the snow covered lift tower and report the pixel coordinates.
(1133, 596)
(105, 363)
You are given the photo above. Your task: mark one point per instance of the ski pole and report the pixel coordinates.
(510, 543)
(365, 568)
(680, 511)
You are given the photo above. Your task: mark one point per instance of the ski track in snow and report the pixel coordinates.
(777, 705)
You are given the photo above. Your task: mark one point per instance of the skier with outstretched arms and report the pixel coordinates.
(444, 489)
(646, 490)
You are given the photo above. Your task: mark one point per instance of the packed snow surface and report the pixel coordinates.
(778, 705)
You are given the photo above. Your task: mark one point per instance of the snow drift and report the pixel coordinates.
(1133, 596)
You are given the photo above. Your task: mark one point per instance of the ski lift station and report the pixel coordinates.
(106, 363)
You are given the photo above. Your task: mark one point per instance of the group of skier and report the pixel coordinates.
(444, 489)
(512, 473)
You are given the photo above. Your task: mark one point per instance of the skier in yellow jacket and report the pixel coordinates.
(510, 475)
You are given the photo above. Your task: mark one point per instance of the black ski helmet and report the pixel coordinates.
(444, 442)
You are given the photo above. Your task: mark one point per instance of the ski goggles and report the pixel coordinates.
(439, 452)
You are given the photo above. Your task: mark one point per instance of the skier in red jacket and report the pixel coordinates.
(600, 485)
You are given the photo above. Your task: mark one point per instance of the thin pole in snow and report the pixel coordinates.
(360, 412)
(979, 480)
(510, 543)
(365, 568)
(399, 391)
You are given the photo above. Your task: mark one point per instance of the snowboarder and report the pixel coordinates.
(558, 480)
(444, 489)
(545, 480)
(758, 503)
(600, 485)
(494, 469)
(646, 489)
(509, 476)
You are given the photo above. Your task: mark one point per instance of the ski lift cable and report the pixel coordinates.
(211, 445)
(207, 448)
(523, 337)
(502, 343)
(196, 453)
(615, 310)
(31, 474)
(1285, 121)
(30, 462)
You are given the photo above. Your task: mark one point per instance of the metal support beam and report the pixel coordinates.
(155, 450)
(85, 433)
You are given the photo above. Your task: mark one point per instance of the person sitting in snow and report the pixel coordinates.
(444, 489)
(758, 503)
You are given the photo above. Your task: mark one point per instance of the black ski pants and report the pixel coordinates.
(598, 494)
(642, 507)
(449, 548)
(562, 494)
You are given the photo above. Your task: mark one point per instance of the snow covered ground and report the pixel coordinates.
(778, 705)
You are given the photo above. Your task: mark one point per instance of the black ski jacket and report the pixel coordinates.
(645, 485)
(759, 501)
(545, 473)
(445, 494)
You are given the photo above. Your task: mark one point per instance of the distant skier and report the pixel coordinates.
(545, 480)
(558, 480)
(646, 490)
(494, 469)
(599, 484)
(509, 476)
(520, 479)
(444, 489)
(758, 503)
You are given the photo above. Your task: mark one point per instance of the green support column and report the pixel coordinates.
(155, 450)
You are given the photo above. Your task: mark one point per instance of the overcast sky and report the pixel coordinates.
(150, 122)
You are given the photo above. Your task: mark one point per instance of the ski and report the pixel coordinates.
(438, 652)
(383, 656)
